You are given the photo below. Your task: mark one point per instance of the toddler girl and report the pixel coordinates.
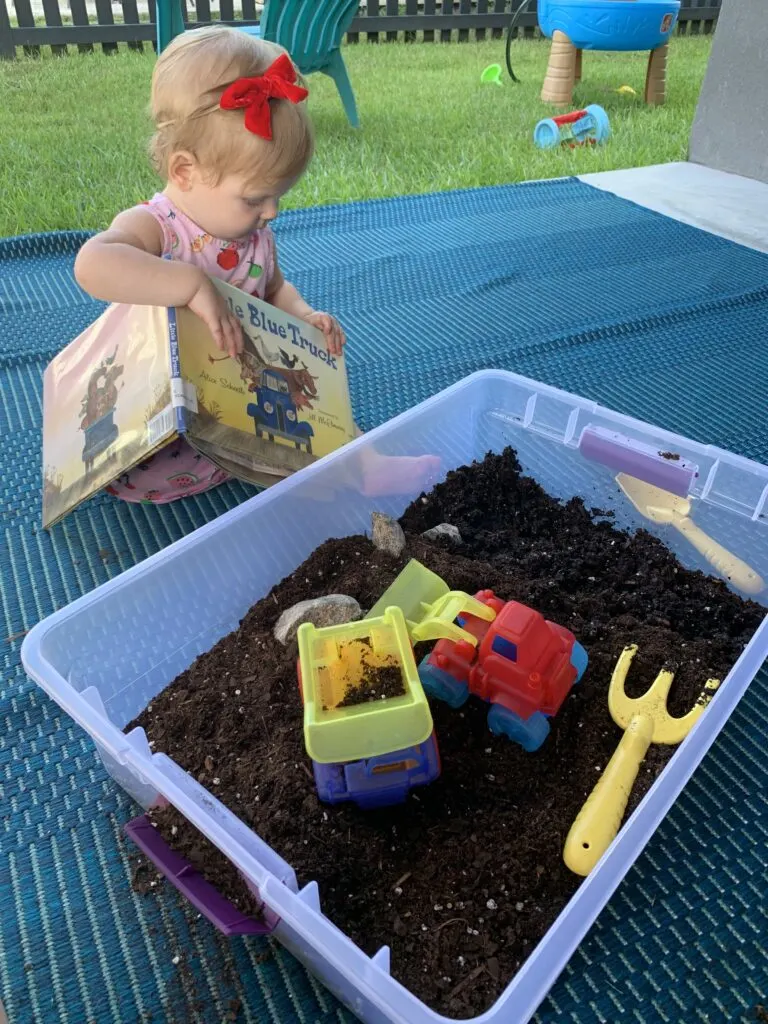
(232, 136)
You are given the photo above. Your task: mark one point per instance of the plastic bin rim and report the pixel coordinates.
(606, 876)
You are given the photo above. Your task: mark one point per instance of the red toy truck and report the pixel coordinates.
(523, 665)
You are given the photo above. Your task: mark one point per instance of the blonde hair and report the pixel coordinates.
(187, 83)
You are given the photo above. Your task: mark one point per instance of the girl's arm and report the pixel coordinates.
(124, 264)
(285, 296)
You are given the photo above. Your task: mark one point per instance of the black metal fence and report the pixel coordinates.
(32, 24)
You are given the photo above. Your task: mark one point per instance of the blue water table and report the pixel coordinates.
(621, 25)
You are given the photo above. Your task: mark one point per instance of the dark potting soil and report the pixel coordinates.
(378, 682)
(465, 878)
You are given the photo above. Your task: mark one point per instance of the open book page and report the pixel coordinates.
(245, 469)
(276, 408)
(105, 402)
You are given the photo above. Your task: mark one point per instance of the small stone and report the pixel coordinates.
(387, 534)
(446, 531)
(331, 610)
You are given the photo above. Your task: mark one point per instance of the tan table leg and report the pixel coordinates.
(656, 79)
(561, 71)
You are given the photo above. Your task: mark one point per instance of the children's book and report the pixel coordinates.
(142, 376)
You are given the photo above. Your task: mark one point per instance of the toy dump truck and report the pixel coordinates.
(367, 724)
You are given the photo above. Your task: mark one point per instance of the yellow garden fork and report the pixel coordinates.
(645, 720)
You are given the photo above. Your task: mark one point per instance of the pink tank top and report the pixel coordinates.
(177, 471)
(248, 263)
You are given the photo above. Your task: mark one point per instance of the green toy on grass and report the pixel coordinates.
(492, 74)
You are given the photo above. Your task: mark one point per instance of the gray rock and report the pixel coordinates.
(445, 531)
(387, 534)
(331, 610)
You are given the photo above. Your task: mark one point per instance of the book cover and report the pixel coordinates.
(277, 407)
(105, 402)
(141, 376)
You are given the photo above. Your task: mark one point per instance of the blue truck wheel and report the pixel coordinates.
(579, 660)
(441, 685)
(329, 780)
(529, 733)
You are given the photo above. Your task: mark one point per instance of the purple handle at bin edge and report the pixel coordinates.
(626, 455)
(190, 883)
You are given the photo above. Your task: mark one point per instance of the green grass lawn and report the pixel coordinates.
(73, 130)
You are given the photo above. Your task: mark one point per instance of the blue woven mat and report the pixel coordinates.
(557, 281)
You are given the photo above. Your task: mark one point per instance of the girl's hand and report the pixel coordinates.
(331, 328)
(209, 305)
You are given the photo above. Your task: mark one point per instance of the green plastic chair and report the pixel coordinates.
(170, 22)
(310, 30)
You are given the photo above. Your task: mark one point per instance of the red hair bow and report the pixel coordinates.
(277, 83)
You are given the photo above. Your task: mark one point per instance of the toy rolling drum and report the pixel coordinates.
(586, 127)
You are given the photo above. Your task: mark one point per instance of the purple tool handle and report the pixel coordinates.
(190, 883)
(665, 469)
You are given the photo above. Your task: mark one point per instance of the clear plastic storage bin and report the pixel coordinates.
(104, 657)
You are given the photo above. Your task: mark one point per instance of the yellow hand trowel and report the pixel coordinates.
(662, 506)
(645, 721)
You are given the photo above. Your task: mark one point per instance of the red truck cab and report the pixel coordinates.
(523, 666)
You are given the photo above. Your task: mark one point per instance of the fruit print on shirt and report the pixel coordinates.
(228, 257)
(245, 262)
(200, 242)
